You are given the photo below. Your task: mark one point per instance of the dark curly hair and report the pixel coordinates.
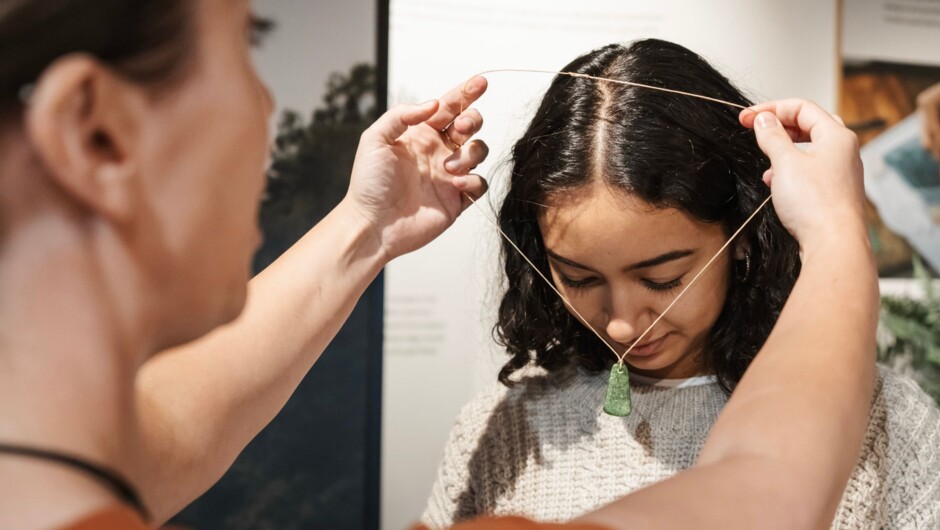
(670, 150)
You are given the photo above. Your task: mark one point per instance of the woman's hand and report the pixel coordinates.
(928, 102)
(818, 191)
(409, 178)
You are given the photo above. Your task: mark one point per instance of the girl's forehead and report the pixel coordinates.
(598, 217)
(596, 193)
(598, 206)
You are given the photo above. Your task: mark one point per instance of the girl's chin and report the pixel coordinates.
(660, 366)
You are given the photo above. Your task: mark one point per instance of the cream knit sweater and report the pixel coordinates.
(544, 449)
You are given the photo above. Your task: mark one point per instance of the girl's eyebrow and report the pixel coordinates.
(566, 261)
(662, 258)
(652, 262)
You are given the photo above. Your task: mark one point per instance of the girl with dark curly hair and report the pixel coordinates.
(620, 194)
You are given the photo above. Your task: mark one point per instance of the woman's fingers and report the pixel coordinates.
(450, 112)
(794, 133)
(391, 125)
(768, 177)
(466, 158)
(456, 101)
(817, 192)
(772, 137)
(806, 118)
(471, 188)
(465, 126)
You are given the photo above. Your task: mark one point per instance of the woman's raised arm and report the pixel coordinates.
(781, 453)
(200, 404)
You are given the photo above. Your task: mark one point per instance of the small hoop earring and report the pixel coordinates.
(747, 268)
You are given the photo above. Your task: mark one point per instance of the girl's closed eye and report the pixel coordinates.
(576, 284)
(663, 286)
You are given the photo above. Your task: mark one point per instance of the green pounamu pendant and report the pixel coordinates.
(618, 392)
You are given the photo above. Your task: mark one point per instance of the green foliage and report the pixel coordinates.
(913, 326)
(312, 161)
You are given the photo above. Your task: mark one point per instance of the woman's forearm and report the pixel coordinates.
(776, 444)
(817, 364)
(201, 403)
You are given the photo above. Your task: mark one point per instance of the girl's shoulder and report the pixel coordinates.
(896, 482)
(904, 421)
(903, 404)
(535, 389)
(903, 429)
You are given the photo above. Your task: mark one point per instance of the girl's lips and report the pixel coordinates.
(648, 348)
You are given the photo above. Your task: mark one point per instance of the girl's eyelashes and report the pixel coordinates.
(659, 287)
(663, 286)
(575, 284)
(258, 29)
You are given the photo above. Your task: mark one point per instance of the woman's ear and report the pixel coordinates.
(83, 121)
(741, 250)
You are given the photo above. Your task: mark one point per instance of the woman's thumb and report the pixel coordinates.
(771, 136)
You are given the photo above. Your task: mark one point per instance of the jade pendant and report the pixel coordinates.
(618, 392)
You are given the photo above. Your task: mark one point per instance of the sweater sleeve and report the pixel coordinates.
(453, 495)
(914, 499)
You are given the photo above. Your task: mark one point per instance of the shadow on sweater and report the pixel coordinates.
(507, 443)
(510, 412)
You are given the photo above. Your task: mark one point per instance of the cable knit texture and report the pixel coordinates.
(545, 450)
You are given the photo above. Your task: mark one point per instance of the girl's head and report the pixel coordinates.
(622, 194)
(135, 131)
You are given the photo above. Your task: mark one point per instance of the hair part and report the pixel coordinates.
(669, 150)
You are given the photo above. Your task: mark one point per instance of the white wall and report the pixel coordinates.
(903, 31)
(440, 300)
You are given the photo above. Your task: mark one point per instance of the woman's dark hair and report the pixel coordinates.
(670, 150)
(147, 41)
